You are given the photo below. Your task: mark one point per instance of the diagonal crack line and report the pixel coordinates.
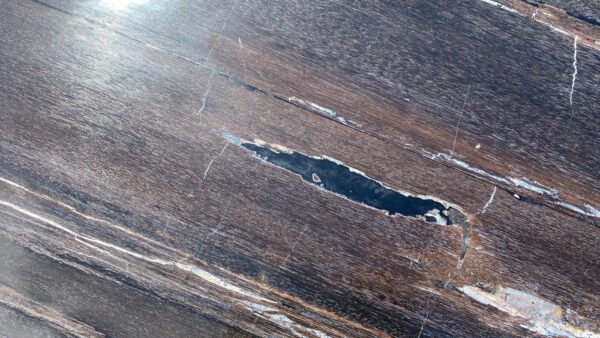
(205, 96)
(459, 120)
(214, 158)
(270, 93)
(426, 317)
(212, 47)
(489, 202)
(574, 70)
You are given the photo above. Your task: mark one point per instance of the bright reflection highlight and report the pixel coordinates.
(121, 5)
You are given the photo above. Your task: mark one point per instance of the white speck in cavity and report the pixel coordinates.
(435, 213)
(478, 146)
(316, 178)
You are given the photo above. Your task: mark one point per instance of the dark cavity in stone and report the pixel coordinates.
(341, 180)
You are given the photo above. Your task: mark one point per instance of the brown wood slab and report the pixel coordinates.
(127, 208)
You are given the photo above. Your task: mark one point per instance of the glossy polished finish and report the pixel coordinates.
(186, 168)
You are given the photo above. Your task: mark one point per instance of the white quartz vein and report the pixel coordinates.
(485, 207)
(499, 5)
(523, 183)
(574, 70)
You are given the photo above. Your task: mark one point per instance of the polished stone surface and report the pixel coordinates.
(131, 206)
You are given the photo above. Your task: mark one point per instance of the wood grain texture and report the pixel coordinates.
(127, 210)
(387, 68)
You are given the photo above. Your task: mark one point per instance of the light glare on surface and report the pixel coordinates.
(121, 5)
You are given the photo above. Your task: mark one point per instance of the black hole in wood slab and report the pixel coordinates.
(341, 180)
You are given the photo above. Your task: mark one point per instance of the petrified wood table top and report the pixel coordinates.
(237, 168)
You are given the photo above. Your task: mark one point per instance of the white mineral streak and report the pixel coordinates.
(543, 316)
(203, 274)
(523, 183)
(283, 321)
(499, 5)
